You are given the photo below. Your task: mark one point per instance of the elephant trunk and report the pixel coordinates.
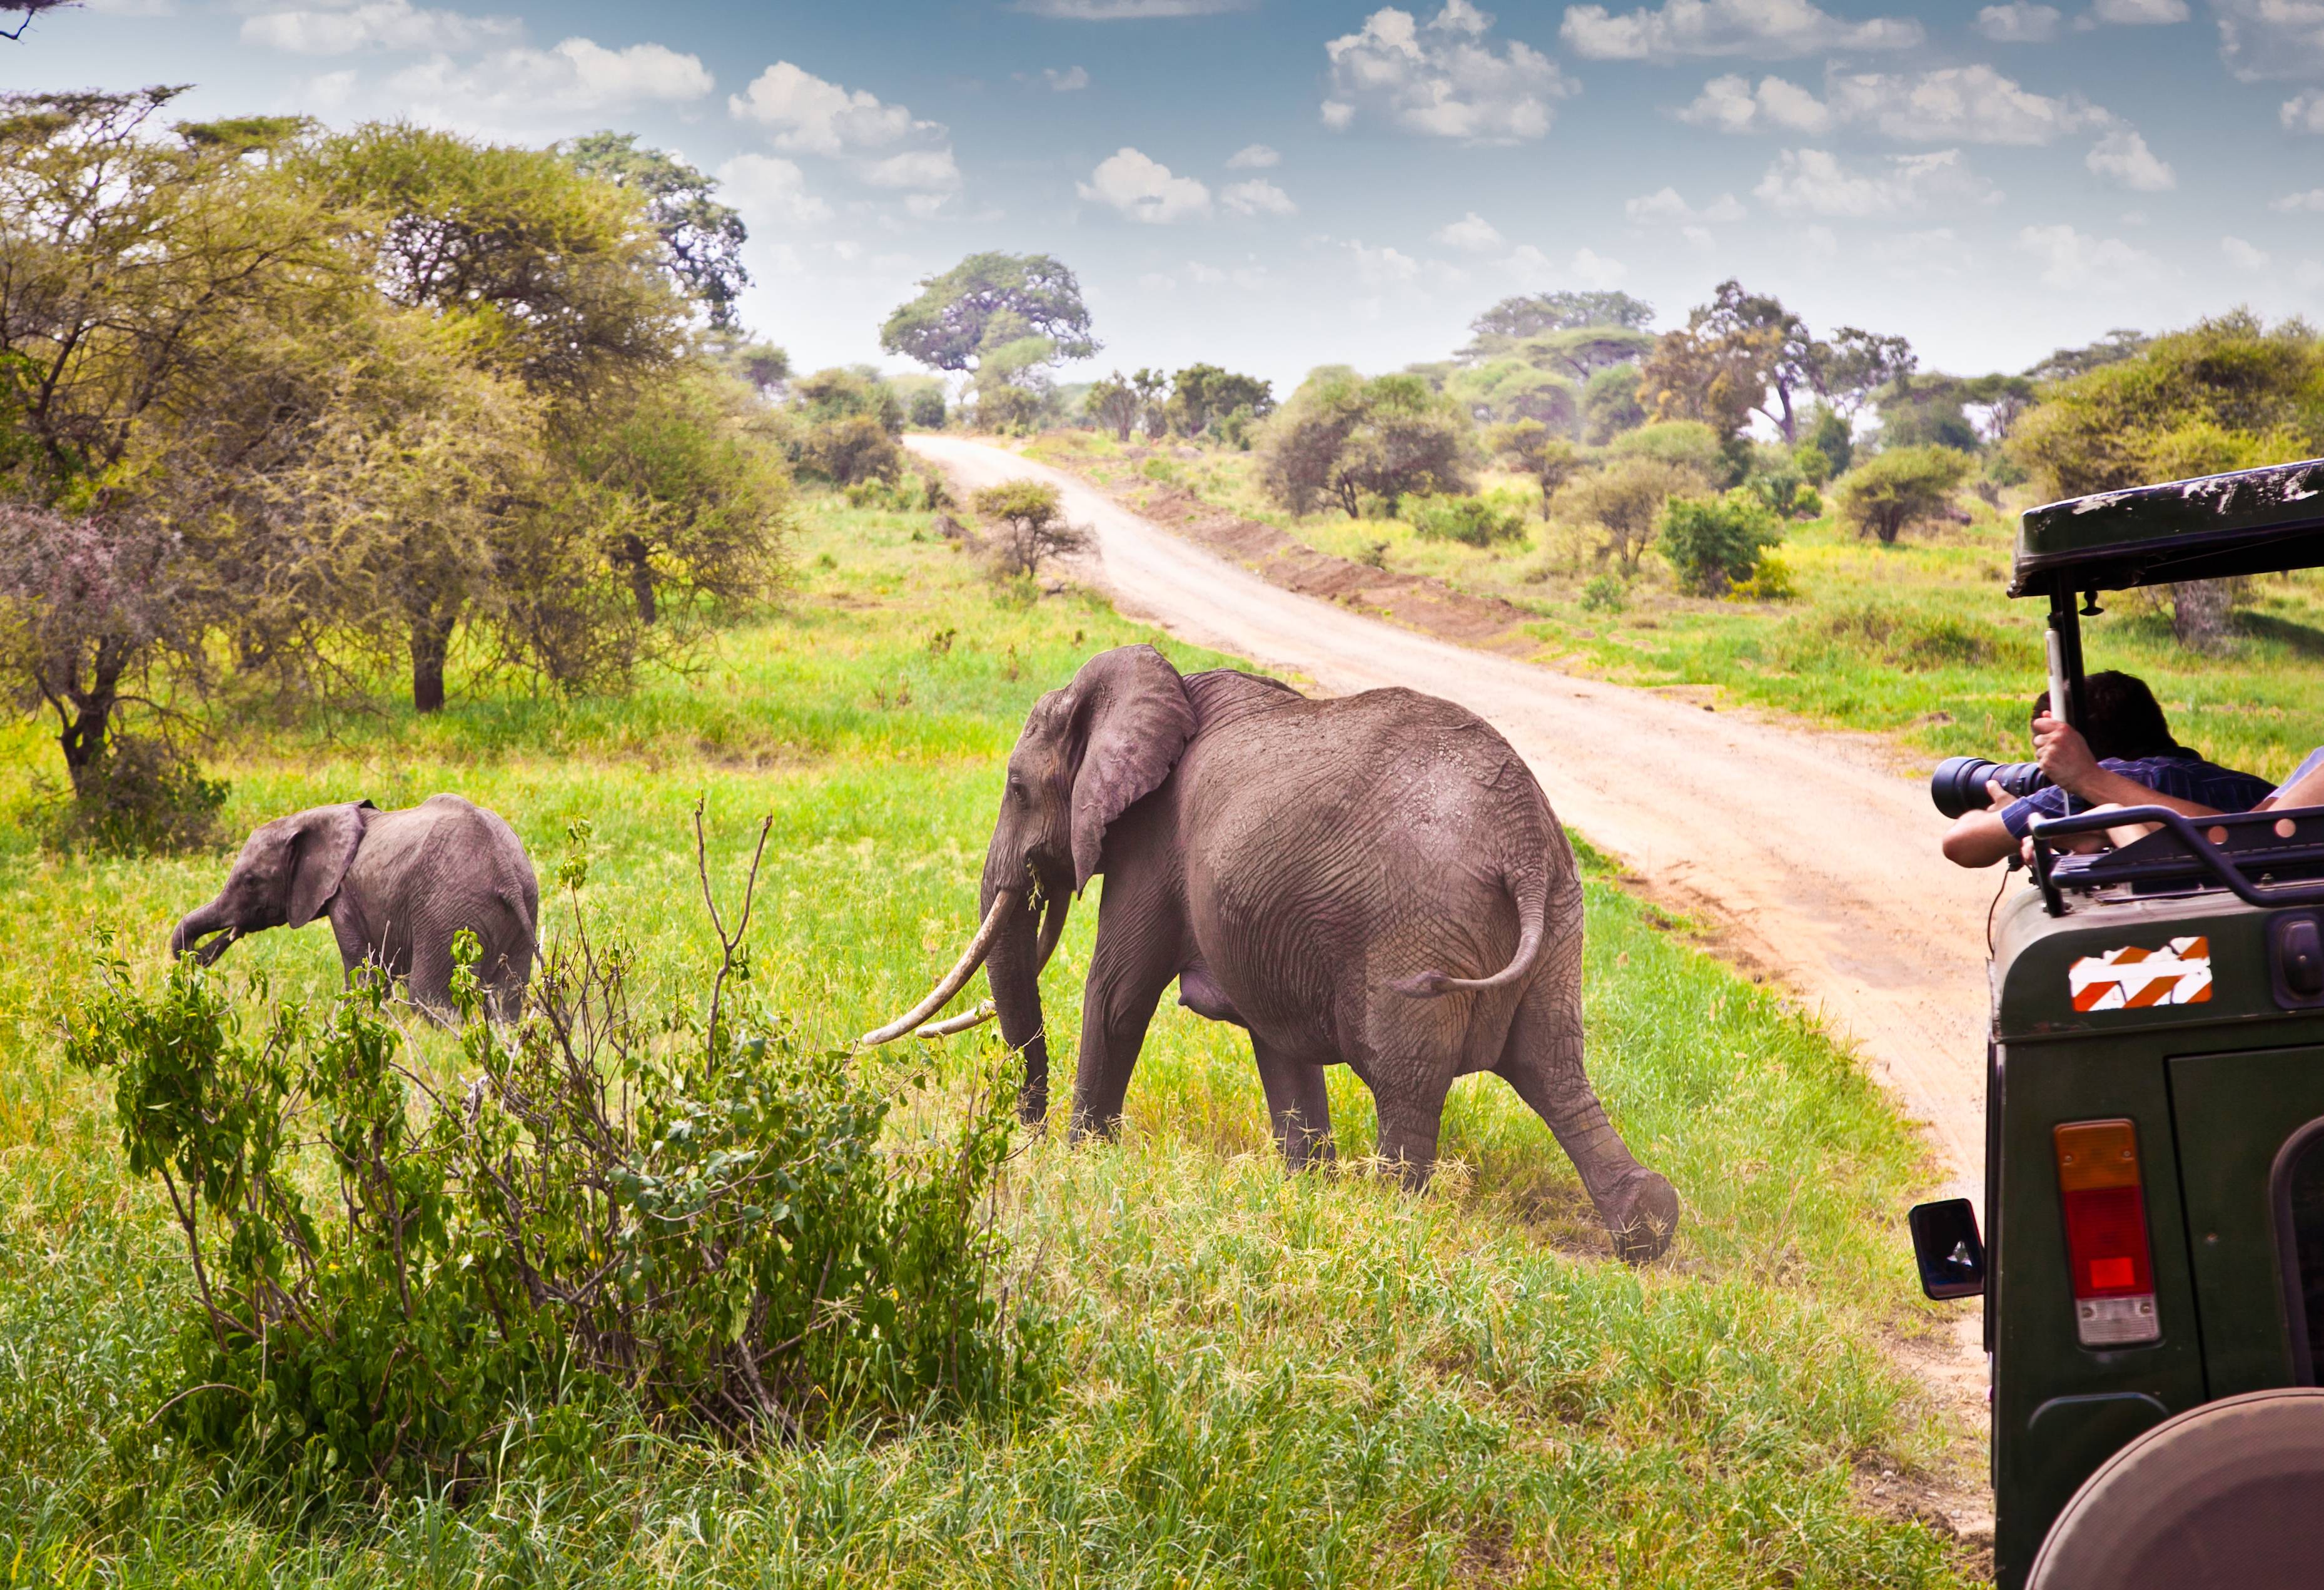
(1014, 969)
(197, 924)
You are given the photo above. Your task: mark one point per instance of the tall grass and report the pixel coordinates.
(1311, 1380)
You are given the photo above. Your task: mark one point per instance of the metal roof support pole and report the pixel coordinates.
(2069, 628)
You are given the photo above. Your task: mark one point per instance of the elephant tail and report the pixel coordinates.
(1532, 892)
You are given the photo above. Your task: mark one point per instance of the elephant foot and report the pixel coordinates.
(1640, 1215)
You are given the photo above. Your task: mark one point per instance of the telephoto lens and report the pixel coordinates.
(1957, 786)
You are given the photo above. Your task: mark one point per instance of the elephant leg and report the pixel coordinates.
(1128, 970)
(1544, 1062)
(1411, 1116)
(1298, 1109)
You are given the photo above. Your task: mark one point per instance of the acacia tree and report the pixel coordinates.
(2228, 393)
(1542, 453)
(1115, 405)
(1344, 439)
(133, 267)
(986, 310)
(702, 237)
(1534, 314)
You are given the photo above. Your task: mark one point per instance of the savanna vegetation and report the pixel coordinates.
(1199, 1368)
(1811, 523)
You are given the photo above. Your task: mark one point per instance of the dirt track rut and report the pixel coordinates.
(1814, 851)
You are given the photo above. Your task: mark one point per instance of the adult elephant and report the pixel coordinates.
(398, 886)
(1376, 879)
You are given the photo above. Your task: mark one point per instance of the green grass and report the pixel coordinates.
(1914, 639)
(1311, 1380)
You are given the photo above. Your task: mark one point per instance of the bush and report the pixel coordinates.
(141, 797)
(1344, 438)
(1476, 521)
(1623, 500)
(1807, 503)
(406, 1279)
(1899, 487)
(1771, 581)
(850, 450)
(1714, 542)
(927, 410)
(1813, 464)
(1685, 444)
(1029, 527)
(1605, 593)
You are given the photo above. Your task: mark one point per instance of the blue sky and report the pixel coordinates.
(1274, 184)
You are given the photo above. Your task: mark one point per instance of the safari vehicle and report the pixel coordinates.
(2153, 1274)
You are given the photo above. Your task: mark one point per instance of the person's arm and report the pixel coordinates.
(2064, 754)
(1980, 839)
(2305, 788)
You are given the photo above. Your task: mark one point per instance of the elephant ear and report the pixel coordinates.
(1135, 720)
(323, 846)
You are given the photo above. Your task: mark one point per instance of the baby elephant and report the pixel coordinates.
(397, 885)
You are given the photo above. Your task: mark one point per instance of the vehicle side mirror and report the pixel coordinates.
(1948, 1249)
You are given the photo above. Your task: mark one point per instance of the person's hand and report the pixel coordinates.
(2062, 753)
(2000, 800)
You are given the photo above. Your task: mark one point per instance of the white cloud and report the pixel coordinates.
(767, 185)
(2311, 201)
(1532, 268)
(2304, 113)
(1731, 105)
(1959, 105)
(1665, 207)
(2071, 259)
(2242, 254)
(1381, 267)
(1443, 79)
(2019, 22)
(1067, 81)
(885, 144)
(2138, 12)
(2271, 38)
(2123, 156)
(377, 24)
(1768, 29)
(576, 75)
(1127, 10)
(1814, 182)
(930, 171)
(1257, 197)
(1253, 157)
(1144, 190)
(1471, 234)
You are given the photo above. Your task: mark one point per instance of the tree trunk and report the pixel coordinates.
(431, 644)
(86, 716)
(634, 554)
(2200, 612)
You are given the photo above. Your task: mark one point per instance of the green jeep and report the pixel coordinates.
(2153, 1273)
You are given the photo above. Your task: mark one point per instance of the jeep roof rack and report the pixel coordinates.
(2249, 522)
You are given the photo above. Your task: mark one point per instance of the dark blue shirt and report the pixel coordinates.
(2187, 776)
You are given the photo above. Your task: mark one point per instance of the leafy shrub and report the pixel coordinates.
(1807, 503)
(1029, 527)
(1341, 438)
(1771, 581)
(1476, 521)
(1713, 541)
(1688, 444)
(141, 797)
(850, 450)
(405, 1277)
(1605, 593)
(1623, 500)
(1234, 426)
(1813, 464)
(1899, 487)
(927, 410)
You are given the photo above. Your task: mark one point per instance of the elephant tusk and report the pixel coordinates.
(953, 981)
(960, 1023)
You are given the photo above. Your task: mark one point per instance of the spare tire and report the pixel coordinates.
(2230, 1494)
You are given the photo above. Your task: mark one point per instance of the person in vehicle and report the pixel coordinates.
(2125, 756)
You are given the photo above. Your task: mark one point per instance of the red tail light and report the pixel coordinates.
(2099, 1182)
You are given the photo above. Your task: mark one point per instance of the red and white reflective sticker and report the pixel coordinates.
(2133, 977)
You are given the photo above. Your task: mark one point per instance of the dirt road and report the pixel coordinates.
(1811, 849)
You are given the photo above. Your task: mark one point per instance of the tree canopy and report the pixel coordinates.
(1534, 314)
(986, 303)
(702, 238)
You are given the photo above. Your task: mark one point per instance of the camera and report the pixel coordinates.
(1957, 786)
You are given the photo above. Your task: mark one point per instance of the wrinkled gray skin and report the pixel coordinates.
(397, 886)
(1376, 879)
